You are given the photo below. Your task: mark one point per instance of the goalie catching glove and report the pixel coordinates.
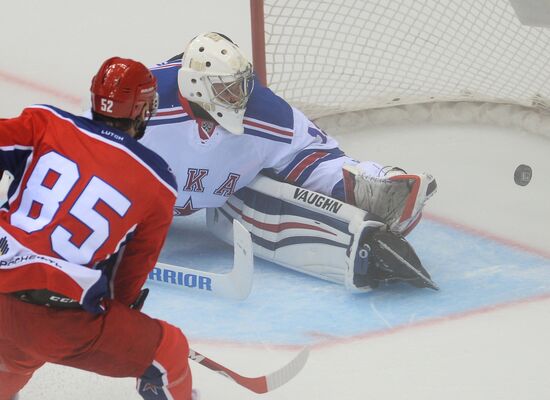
(394, 196)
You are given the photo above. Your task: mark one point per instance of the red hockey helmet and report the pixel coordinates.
(122, 87)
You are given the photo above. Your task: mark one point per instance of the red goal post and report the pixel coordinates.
(337, 56)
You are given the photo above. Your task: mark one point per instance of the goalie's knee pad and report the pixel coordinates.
(315, 234)
(392, 194)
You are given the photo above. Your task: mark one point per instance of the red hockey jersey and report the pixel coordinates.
(89, 209)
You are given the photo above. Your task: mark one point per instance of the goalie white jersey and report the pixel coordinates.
(302, 223)
(211, 163)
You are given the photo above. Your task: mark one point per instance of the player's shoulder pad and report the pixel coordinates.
(146, 157)
(167, 81)
(268, 115)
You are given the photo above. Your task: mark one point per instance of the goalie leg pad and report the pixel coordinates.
(291, 226)
(317, 235)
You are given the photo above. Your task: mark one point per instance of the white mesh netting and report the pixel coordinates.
(334, 56)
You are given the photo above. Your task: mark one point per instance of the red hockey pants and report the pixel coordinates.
(120, 343)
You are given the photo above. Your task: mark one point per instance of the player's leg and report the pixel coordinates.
(16, 365)
(388, 192)
(169, 373)
(133, 344)
(120, 343)
(16, 369)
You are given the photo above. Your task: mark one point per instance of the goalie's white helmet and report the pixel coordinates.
(216, 75)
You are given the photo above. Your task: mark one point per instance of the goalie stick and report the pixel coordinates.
(260, 384)
(235, 284)
(5, 182)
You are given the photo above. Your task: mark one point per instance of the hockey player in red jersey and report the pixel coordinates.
(79, 236)
(243, 152)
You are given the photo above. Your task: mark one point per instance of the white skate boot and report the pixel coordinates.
(394, 196)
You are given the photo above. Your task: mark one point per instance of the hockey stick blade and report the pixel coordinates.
(260, 384)
(235, 284)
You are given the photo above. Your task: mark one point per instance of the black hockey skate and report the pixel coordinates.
(388, 258)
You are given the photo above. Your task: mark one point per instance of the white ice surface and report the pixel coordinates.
(50, 51)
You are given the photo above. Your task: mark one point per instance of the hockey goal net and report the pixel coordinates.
(333, 56)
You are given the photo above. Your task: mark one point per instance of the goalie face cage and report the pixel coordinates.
(334, 56)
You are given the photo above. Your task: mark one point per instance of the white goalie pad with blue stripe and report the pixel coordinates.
(296, 228)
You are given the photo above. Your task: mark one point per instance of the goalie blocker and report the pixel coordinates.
(315, 234)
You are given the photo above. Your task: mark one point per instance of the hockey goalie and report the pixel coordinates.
(242, 152)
